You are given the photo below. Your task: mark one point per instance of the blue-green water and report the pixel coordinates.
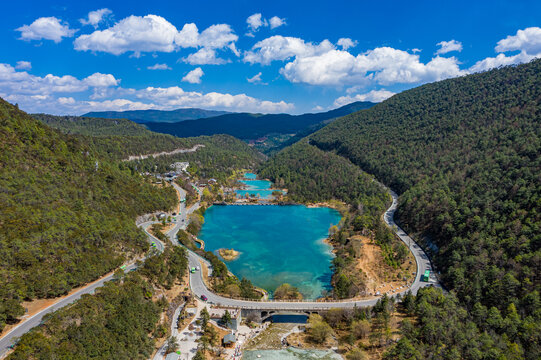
(278, 244)
(257, 188)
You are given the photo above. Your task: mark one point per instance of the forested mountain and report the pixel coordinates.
(118, 139)
(465, 154)
(219, 158)
(253, 126)
(92, 126)
(142, 116)
(314, 175)
(67, 214)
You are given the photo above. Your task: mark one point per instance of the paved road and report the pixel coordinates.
(35, 320)
(423, 263)
(198, 287)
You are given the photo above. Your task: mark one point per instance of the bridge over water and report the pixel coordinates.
(266, 307)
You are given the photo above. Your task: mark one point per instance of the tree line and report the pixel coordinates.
(464, 154)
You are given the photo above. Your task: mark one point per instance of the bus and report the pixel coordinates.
(123, 267)
(426, 276)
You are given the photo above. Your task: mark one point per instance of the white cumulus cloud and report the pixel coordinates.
(217, 37)
(95, 17)
(194, 76)
(346, 43)
(527, 42)
(99, 92)
(175, 97)
(101, 80)
(502, 60)
(204, 56)
(448, 46)
(382, 65)
(153, 33)
(373, 96)
(134, 33)
(21, 82)
(275, 22)
(159, 67)
(66, 100)
(256, 21)
(48, 28)
(256, 79)
(23, 65)
(282, 48)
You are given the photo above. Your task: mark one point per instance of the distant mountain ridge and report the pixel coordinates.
(143, 116)
(249, 126)
(92, 126)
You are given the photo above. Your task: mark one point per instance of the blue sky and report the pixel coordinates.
(281, 56)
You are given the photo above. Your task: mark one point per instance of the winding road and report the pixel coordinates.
(199, 288)
(423, 263)
(26, 324)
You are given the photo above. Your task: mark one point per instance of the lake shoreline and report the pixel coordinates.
(267, 259)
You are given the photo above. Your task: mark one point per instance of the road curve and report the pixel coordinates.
(423, 263)
(198, 287)
(26, 324)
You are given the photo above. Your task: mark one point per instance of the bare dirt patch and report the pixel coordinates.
(270, 338)
(380, 277)
(302, 340)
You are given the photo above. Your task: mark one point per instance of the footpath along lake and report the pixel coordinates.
(278, 244)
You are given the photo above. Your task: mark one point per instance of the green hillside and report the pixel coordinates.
(118, 139)
(92, 126)
(221, 156)
(313, 175)
(67, 215)
(465, 156)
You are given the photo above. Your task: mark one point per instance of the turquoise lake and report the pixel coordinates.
(259, 188)
(278, 244)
